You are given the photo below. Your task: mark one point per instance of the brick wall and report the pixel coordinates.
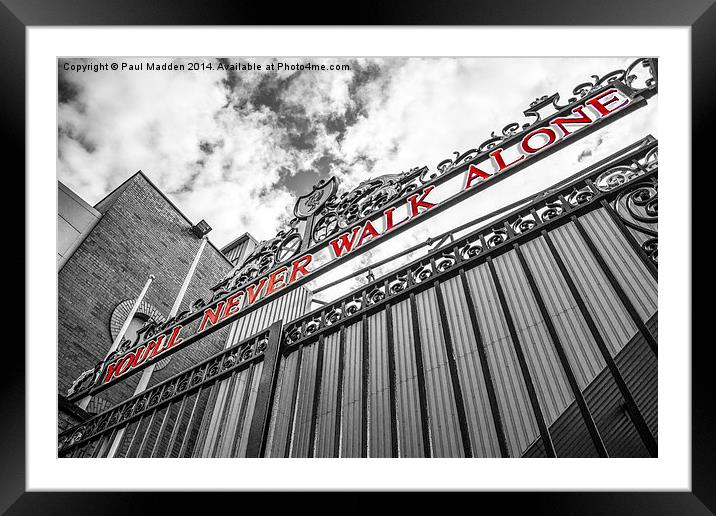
(140, 233)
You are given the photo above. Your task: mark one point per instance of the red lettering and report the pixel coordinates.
(253, 291)
(125, 360)
(389, 219)
(583, 119)
(143, 352)
(110, 371)
(551, 137)
(210, 316)
(174, 338)
(154, 348)
(299, 266)
(601, 107)
(232, 304)
(422, 203)
(368, 229)
(473, 173)
(275, 281)
(500, 162)
(343, 244)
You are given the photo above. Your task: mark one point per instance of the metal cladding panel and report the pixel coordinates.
(326, 414)
(579, 345)
(232, 407)
(351, 417)
(606, 405)
(481, 425)
(547, 374)
(287, 307)
(513, 400)
(241, 440)
(631, 273)
(379, 444)
(569, 436)
(410, 432)
(232, 426)
(282, 406)
(300, 434)
(202, 421)
(445, 437)
(610, 316)
(639, 367)
(215, 415)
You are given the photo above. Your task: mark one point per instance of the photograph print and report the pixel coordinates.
(357, 257)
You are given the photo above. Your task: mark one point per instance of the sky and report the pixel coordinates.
(236, 147)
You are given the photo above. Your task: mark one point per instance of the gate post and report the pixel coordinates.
(258, 433)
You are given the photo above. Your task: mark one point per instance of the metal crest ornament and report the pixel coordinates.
(311, 203)
(366, 198)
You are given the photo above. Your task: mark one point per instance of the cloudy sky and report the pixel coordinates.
(236, 147)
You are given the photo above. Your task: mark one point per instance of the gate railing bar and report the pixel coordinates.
(420, 369)
(638, 418)
(316, 397)
(339, 394)
(365, 355)
(259, 429)
(395, 452)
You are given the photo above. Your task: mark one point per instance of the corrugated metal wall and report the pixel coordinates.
(385, 385)
(229, 411)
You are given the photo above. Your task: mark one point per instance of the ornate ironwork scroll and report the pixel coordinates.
(638, 205)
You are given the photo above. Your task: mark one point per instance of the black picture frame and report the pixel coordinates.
(700, 15)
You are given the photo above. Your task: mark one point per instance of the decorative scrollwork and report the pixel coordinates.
(581, 196)
(497, 237)
(422, 272)
(445, 262)
(638, 208)
(263, 259)
(399, 284)
(550, 210)
(471, 249)
(523, 224)
(375, 296)
(366, 198)
(616, 176)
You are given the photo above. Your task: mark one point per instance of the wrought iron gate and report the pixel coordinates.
(533, 337)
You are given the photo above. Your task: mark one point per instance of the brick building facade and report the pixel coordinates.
(140, 232)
